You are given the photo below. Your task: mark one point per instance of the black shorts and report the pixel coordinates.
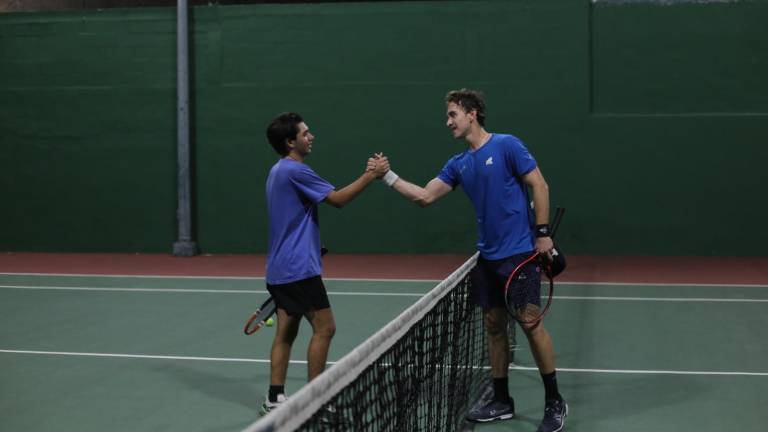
(300, 297)
(490, 276)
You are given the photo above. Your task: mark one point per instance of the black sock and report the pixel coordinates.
(501, 389)
(274, 391)
(550, 387)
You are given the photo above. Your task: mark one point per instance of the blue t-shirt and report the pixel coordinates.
(293, 191)
(492, 179)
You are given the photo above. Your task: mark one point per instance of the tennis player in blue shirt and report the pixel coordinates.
(293, 258)
(495, 172)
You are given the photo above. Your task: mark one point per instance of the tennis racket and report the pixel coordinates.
(523, 298)
(260, 317)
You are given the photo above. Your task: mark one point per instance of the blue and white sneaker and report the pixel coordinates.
(329, 416)
(492, 410)
(268, 406)
(555, 412)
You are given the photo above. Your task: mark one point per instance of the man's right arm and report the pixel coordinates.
(423, 196)
(342, 197)
(376, 169)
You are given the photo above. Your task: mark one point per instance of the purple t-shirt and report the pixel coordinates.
(293, 191)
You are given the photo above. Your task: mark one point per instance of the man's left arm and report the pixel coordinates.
(535, 180)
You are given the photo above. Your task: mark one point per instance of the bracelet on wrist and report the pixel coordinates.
(541, 230)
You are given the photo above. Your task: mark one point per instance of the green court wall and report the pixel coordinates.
(648, 119)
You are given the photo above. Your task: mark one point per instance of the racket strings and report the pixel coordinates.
(523, 290)
(519, 301)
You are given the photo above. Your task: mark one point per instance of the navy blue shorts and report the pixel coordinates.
(490, 276)
(300, 297)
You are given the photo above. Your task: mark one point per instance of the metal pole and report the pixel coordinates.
(184, 246)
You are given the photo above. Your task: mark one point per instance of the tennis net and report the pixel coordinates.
(421, 372)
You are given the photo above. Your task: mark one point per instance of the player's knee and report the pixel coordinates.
(326, 331)
(532, 329)
(495, 327)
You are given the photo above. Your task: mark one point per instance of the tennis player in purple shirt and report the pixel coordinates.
(293, 259)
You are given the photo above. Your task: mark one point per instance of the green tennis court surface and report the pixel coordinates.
(137, 354)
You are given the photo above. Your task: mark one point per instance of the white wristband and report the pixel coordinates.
(390, 178)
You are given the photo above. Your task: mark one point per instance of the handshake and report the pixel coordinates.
(378, 165)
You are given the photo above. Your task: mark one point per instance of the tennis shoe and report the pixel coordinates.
(555, 412)
(329, 416)
(268, 406)
(492, 410)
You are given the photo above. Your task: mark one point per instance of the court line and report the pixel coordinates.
(375, 294)
(662, 284)
(204, 291)
(140, 356)
(266, 361)
(664, 299)
(254, 278)
(646, 372)
(261, 278)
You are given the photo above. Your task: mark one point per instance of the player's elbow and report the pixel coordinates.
(424, 200)
(335, 200)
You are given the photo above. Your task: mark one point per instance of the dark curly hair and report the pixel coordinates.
(469, 100)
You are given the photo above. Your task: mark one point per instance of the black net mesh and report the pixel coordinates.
(425, 380)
